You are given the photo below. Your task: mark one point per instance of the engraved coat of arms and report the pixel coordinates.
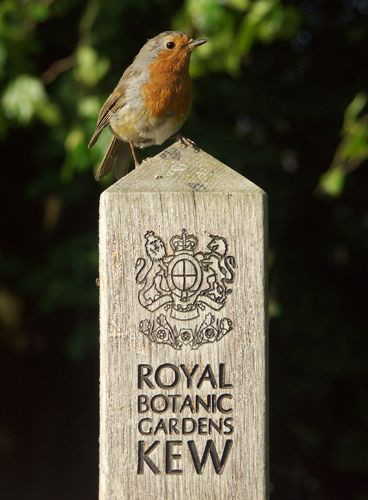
(184, 284)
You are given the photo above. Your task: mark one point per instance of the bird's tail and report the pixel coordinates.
(116, 159)
(94, 138)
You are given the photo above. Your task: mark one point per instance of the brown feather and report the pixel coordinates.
(117, 159)
(112, 104)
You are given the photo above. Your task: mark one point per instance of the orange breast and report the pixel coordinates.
(169, 90)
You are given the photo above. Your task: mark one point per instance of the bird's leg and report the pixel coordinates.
(134, 154)
(185, 141)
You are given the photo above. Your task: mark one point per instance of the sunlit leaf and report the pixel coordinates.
(79, 157)
(271, 25)
(355, 145)
(353, 148)
(90, 67)
(49, 113)
(260, 9)
(88, 107)
(332, 182)
(74, 139)
(355, 107)
(207, 13)
(23, 97)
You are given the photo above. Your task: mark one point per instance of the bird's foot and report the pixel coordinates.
(185, 141)
(134, 154)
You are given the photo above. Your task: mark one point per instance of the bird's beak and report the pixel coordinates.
(196, 43)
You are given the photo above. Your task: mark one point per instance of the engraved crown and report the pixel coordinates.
(150, 236)
(184, 243)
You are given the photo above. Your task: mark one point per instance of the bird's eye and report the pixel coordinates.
(170, 45)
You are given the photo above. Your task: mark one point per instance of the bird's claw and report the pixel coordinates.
(185, 141)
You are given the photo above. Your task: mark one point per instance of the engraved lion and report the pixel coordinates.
(152, 272)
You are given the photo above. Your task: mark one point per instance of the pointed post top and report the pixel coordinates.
(181, 168)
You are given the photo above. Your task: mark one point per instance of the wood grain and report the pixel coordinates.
(183, 188)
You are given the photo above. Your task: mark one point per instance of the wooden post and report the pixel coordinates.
(183, 332)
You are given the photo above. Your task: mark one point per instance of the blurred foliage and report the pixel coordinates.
(353, 149)
(25, 98)
(232, 27)
(280, 94)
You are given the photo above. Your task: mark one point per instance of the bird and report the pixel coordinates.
(151, 101)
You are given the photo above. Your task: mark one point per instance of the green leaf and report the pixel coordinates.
(355, 107)
(90, 67)
(352, 150)
(88, 107)
(355, 145)
(49, 113)
(206, 13)
(22, 97)
(332, 182)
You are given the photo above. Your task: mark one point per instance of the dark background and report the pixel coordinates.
(280, 95)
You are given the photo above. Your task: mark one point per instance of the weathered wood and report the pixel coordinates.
(177, 235)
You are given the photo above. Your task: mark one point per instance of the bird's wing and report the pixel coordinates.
(117, 159)
(115, 101)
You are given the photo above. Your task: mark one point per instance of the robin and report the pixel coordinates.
(151, 100)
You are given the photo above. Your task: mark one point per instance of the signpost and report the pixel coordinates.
(183, 332)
